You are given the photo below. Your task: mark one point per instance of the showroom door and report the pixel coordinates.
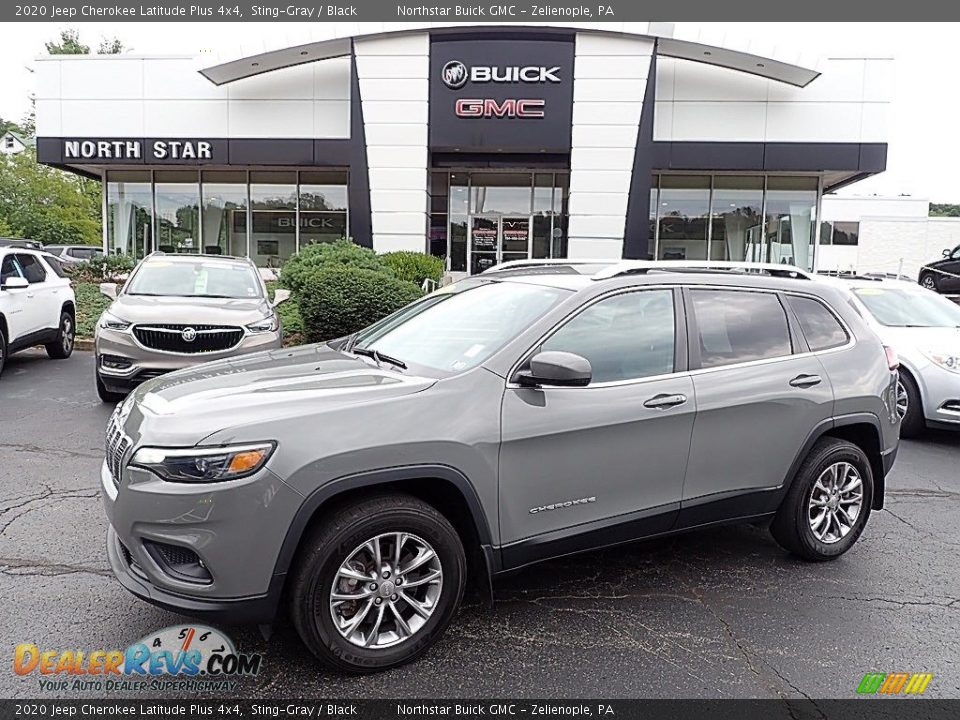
(498, 238)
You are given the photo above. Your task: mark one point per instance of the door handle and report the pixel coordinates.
(805, 381)
(662, 401)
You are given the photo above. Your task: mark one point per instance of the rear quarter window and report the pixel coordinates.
(820, 327)
(736, 326)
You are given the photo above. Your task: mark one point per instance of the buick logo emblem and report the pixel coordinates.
(188, 334)
(454, 75)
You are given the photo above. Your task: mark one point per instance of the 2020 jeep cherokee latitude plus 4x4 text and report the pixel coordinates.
(499, 421)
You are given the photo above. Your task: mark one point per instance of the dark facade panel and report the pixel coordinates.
(286, 151)
(811, 156)
(713, 155)
(358, 191)
(770, 157)
(636, 241)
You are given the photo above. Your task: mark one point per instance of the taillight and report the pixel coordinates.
(893, 362)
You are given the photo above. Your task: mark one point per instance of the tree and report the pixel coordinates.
(46, 204)
(9, 125)
(944, 210)
(111, 46)
(69, 44)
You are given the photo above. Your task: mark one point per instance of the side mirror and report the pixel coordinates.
(15, 283)
(946, 252)
(561, 369)
(109, 289)
(280, 296)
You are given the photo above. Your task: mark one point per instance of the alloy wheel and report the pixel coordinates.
(386, 590)
(903, 400)
(928, 282)
(835, 502)
(66, 334)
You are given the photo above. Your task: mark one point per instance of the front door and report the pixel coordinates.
(607, 459)
(498, 238)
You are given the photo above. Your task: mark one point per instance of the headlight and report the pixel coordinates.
(203, 464)
(109, 321)
(946, 360)
(270, 324)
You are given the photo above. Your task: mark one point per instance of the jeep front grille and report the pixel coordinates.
(117, 445)
(188, 339)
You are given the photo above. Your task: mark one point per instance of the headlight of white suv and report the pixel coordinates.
(947, 360)
(203, 464)
(270, 324)
(108, 321)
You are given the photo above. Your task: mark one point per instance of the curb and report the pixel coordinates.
(83, 344)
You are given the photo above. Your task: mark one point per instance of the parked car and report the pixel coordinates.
(924, 328)
(74, 253)
(499, 421)
(943, 276)
(37, 305)
(20, 243)
(175, 311)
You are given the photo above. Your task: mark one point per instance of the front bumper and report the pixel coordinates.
(940, 390)
(234, 528)
(142, 363)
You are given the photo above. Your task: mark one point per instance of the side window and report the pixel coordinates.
(83, 253)
(8, 269)
(624, 337)
(821, 329)
(32, 269)
(739, 326)
(55, 265)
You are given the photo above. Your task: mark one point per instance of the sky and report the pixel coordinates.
(924, 147)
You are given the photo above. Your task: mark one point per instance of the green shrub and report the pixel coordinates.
(106, 268)
(414, 267)
(337, 301)
(90, 304)
(322, 255)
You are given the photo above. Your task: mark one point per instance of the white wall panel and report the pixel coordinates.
(878, 79)
(589, 248)
(396, 88)
(95, 78)
(609, 136)
(102, 118)
(294, 83)
(331, 118)
(663, 121)
(601, 226)
(697, 81)
(593, 181)
(331, 79)
(730, 121)
(177, 78)
(375, 66)
(387, 242)
(185, 118)
(812, 122)
(400, 223)
(46, 79)
(874, 125)
(397, 178)
(272, 119)
(600, 67)
(397, 134)
(841, 81)
(48, 118)
(602, 159)
(396, 156)
(606, 113)
(612, 46)
(396, 200)
(598, 203)
(392, 111)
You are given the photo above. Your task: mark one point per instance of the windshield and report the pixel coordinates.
(459, 327)
(199, 278)
(909, 308)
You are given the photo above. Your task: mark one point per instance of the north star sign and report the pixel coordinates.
(134, 150)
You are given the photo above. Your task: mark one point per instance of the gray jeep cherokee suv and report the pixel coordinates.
(500, 421)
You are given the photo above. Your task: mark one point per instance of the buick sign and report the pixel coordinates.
(454, 74)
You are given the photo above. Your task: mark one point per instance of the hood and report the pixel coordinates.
(912, 340)
(145, 309)
(188, 405)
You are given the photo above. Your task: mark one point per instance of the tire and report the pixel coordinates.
(62, 347)
(791, 526)
(106, 395)
(337, 539)
(3, 350)
(929, 281)
(913, 423)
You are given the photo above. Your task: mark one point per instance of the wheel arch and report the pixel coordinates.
(4, 328)
(443, 487)
(863, 430)
(70, 307)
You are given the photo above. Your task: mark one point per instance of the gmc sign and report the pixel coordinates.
(507, 108)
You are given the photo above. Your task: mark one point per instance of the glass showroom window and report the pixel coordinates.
(129, 213)
(439, 204)
(683, 210)
(273, 200)
(790, 222)
(177, 199)
(500, 193)
(459, 192)
(323, 206)
(736, 220)
(224, 213)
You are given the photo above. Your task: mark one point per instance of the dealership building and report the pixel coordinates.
(478, 143)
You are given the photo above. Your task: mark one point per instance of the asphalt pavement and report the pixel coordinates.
(723, 613)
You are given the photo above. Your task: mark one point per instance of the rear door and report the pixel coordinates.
(43, 296)
(608, 458)
(760, 393)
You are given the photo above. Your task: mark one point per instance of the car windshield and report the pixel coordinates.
(909, 308)
(196, 278)
(458, 327)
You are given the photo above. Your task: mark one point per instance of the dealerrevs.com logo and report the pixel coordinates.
(181, 657)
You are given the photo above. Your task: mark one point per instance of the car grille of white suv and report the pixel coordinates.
(188, 339)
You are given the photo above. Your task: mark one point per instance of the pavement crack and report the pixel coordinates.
(949, 603)
(16, 567)
(45, 498)
(59, 452)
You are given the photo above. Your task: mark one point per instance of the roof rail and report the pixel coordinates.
(545, 262)
(629, 267)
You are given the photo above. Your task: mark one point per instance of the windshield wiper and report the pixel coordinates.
(379, 356)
